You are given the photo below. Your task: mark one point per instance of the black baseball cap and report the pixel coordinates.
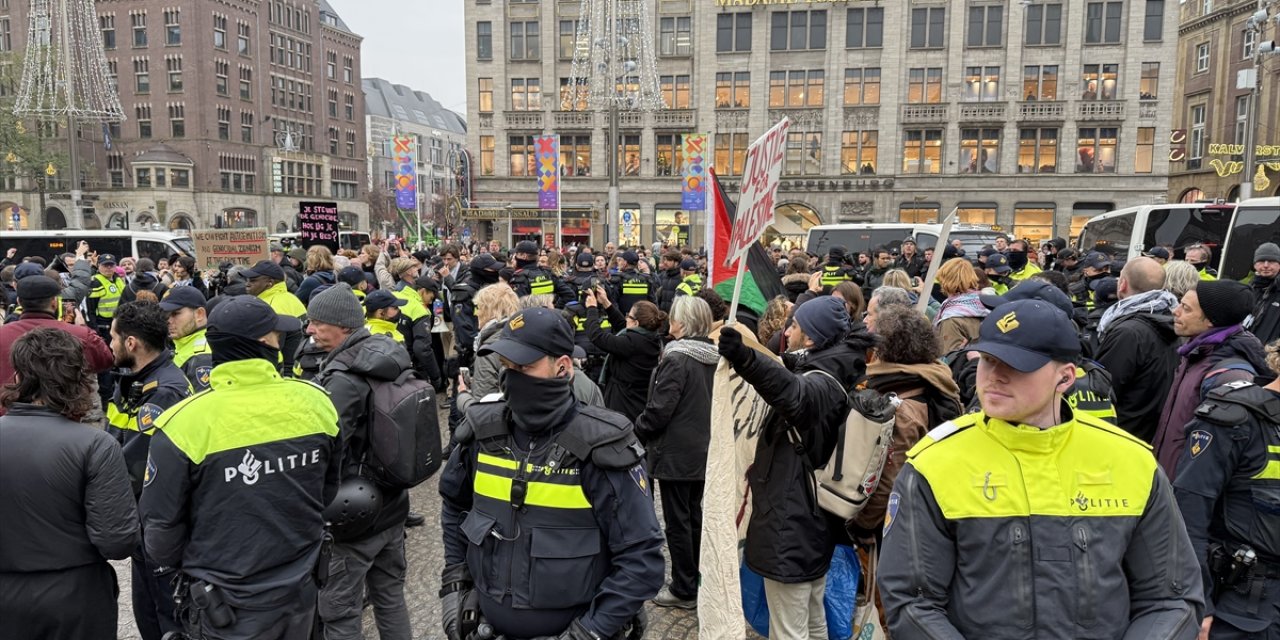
(532, 334)
(1068, 254)
(106, 259)
(999, 263)
(27, 270)
(351, 275)
(585, 260)
(249, 317)
(630, 257)
(39, 287)
(264, 269)
(527, 247)
(382, 299)
(1097, 260)
(185, 297)
(1158, 252)
(688, 264)
(1030, 289)
(484, 262)
(1027, 334)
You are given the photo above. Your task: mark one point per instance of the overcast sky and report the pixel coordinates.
(416, 43)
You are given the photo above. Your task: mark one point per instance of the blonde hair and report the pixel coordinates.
(400, 265)
(538, 301)
(775, 317)
(555, 262)
(897, 278)
(319, 258)
(1273, 356)
(957, 276)
(495, 301)
(1180, 277)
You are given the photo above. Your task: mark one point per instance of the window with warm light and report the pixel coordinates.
(1096, 150)
(858, 152)
(979, 151)
(1040, 82)
(1033, 223)
(922, 151)
(1100, 81)
(1038, 150)
(982, 84)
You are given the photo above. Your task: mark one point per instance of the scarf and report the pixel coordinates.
(229, 347)
(1158, 301)
(962, 305)
(545, 403)
(1210, 337)
(703, 352)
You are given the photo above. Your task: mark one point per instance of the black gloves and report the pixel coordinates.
(731, 346)
(578, 632)
(455, 587)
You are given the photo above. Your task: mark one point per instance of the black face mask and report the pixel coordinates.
(1017, 259)
(1198, 265)
(228, 347)
(544, 402)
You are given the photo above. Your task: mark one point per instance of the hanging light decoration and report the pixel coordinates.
(64, 72)
(613, 56)
(51, 170)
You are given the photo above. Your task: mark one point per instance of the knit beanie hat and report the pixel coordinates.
(824, 320)
(1224, 302)
(337, 306)
(1267, 251)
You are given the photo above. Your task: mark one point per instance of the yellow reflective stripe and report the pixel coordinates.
(485, 458)
(541, 285)
(1271, 471)
(1273, 449)
(119, 419)
(538, 494)
(636, 288)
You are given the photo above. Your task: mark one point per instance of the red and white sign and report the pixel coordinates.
(759, 188)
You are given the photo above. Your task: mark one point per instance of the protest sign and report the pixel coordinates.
(237, 246)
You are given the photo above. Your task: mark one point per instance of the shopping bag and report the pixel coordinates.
(866, 621)
(839, 598)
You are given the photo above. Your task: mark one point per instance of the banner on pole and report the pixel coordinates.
(694, 188)
(547, 157)
(759, 188)
(406, 173)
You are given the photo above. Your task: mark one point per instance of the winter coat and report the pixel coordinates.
(675, 426)
(1200, 359)
(795, 284)
(376, 358)
(65, 496)
(312, 281)
(929, 398)
(959, 319)
(292, 279)
(789, 538)
(143, 282)
(667, 282)
(632, 357)
(97, 353)
(1265, 323)
(486, 370)
(915, 266)
(1140, 352)
(873, 280)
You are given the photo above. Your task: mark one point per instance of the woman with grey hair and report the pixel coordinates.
(675, 427)
(1180, 277)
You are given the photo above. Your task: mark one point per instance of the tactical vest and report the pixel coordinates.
(538, 281)
(1092, 392)
(834, 274)
(414, 309)
(635, 285)
(531, 530)
(107, 293)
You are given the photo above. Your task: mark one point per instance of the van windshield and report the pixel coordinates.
(974, 240)
(186, 245)
(1111, 234)
(1254, 226)
(1181, 228)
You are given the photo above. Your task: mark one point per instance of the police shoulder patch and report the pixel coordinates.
(891, 511)
(147, 416)
(640, 478)
(202, 375)
(150, 473)
(1198, 441)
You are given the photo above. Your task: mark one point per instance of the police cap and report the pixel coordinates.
(527, 247)
(27, 269)
(185, 297)
(106, 259)
(39, 287)
(531, 335)
(1030, 289)
(265, 269)
(249, 317)
(1027, 334)
(352, 276)
(688, 264)
(585, 261)
(382, 299)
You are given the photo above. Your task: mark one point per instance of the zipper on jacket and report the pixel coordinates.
(1086, 614)
(1176, 530)
(1023, 599)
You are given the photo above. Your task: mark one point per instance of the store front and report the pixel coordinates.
(510, 225)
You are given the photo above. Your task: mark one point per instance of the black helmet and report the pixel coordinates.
(354, 509)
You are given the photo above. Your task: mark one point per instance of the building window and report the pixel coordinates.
(113, 75)
(982, 84)
(573, 94)
(798, 30)
(174, 66)
(484, 41)
(177, 121)
(675, 36)
(858, 152)
(486, 94)
(986, 24)
(1149, 84)
(1100, 81)
(731, 152)
(115, 166)
(922, 151)
(1248, 43)
(569, 39)
(924, 85)
(221, 69)
(928, 27)
(246, 127)
(106, 22)
(575, 155)
(1040, 82)
(804, 154)
(224, 123)
(1206, 7)
(979, 151)
(1033, 223)
(141, 76)
(486, 155)
(1153, 24)
(1038, 151)
(524, 40)
(520, 151)
(629, 154)
(349, 107)
(1202, 57)
(1144, 155)
(351, 144)
(796, 88)
(220, 32)
(733, 32)
(526, 94)
(1044, 24)
(142, 113)
(1242, 118)
(331, 65)
(675, 91)
(172, 30)
(333, 141)
(139, 23)
(142, 177)
(969, 214)
(333, 103)
(246, 83)
(918, 213)
(861, 86)
(242, 39)
(348, 69)
(668, 156)
(1102, 22)
(1096, 150)
(733, 90)
(864, 28)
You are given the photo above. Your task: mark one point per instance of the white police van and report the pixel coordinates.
(1256, 221)
(1129, 232)
(863, 237)
(48, 244)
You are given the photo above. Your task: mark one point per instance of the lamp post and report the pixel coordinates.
(1255, 26)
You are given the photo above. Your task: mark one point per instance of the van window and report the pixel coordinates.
(1113, 234)
(157, 251)
(1254, 226)
(820, 242)
(973, 241)
(354, 240)
(118, 247)
(1185, 227)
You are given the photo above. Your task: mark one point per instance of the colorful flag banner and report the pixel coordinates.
(694, 189)
(547, 157)
(406, 173)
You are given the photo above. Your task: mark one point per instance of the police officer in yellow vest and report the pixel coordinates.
(998, 271)
(690, 281)
(531, 279)
(629, 286)
(354, 277)
(1030, 520)
(1021, 265)
(105, 295)
(837, 269)
(548, 518)
(266, 280)
(147, 385)
(1095, 266)
(381, 309)
(187, 320)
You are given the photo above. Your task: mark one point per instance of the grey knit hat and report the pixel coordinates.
(337, 306)
(1267, 251)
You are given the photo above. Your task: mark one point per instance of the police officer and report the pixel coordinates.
(629, 286)
(585, 279)
(548, 518)
(690, 281)
(531, 279)
(267, 281)
(148, 383)
(381, 309)
(998, 271)
(237, 483)
(837, 268)
(1228, 487)
(1031, 520)
(1095, 266)
(187, 320)
(105, 295)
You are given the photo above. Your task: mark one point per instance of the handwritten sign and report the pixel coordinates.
(318, 224)
(759, 188)
(237, 246)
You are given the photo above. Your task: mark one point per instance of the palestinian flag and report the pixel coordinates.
(761, 283)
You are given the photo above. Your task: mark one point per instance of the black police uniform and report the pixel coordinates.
(1228, 488)
(630, 286)
(534, 280)
(577, 312)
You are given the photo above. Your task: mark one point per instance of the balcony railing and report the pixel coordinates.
(1148, 109)
(486, 121)
(630, 119)
(523, 119)
(983, 111)
(1100, 110)
(924, 113)
(573, 119)
(675, 118)
(1041, 110)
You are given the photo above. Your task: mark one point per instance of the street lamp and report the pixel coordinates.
(1251, 78)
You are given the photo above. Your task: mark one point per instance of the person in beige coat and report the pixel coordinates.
(960, 315)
